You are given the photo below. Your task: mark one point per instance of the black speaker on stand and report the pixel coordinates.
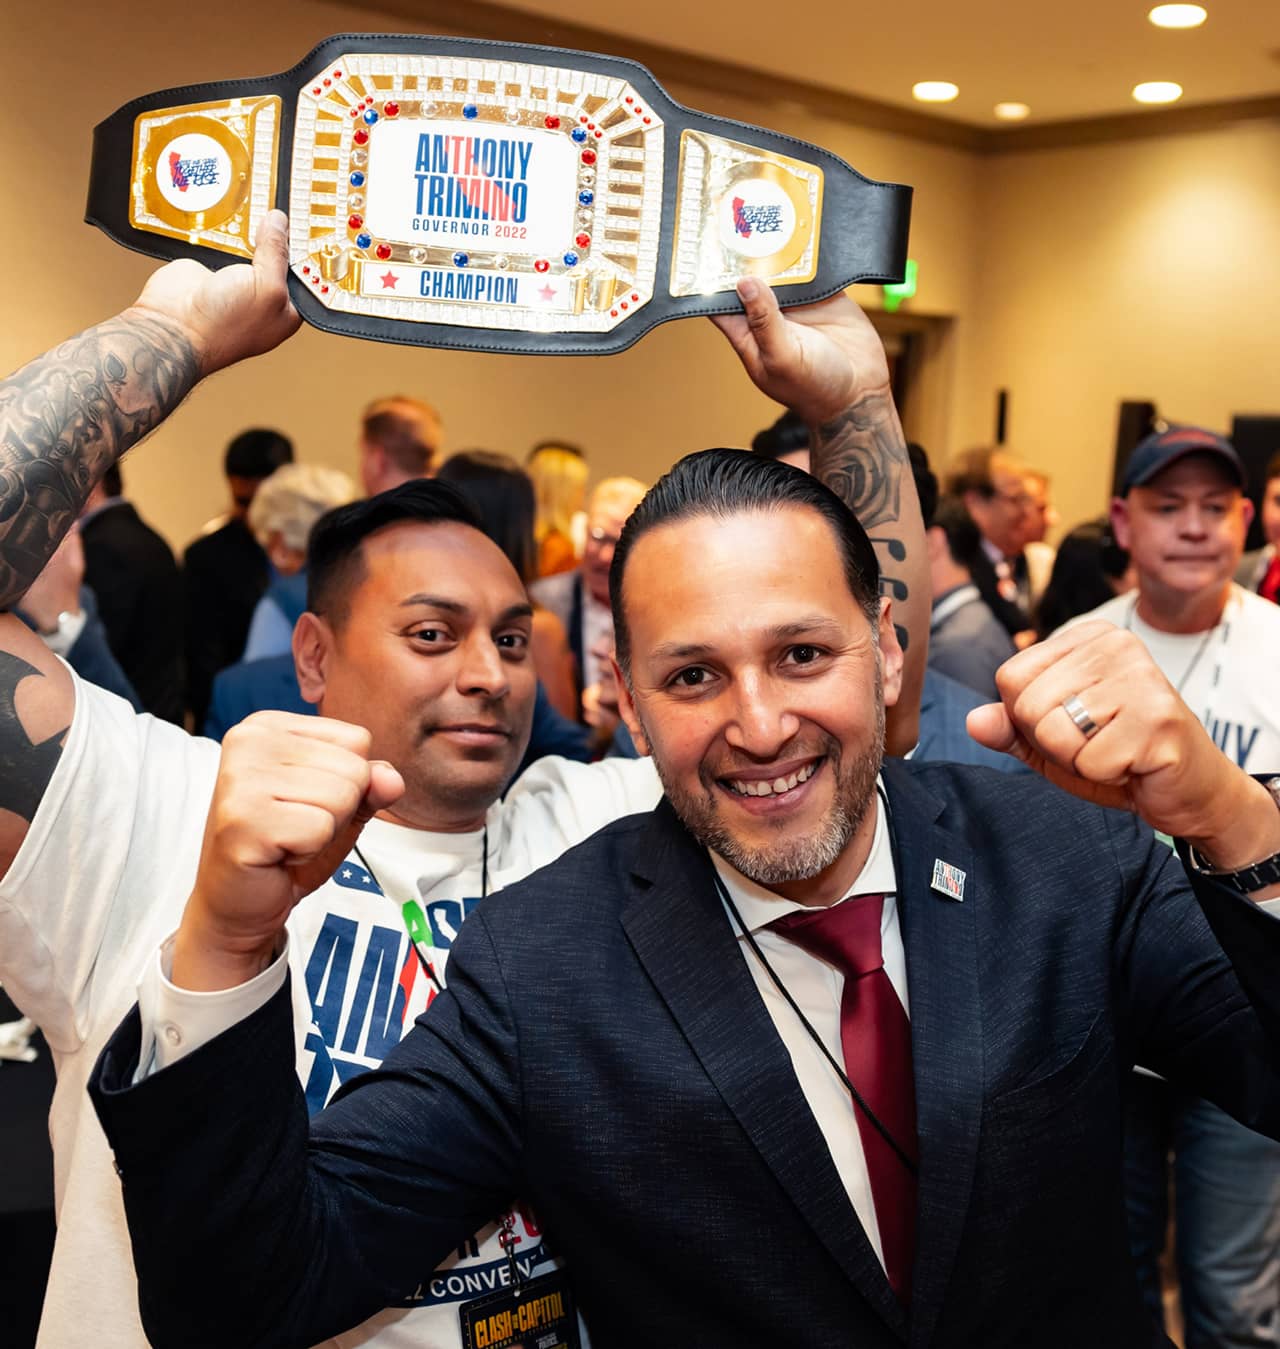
(1256, 440)
(1135, 423)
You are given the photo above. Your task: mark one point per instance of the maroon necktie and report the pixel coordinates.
(876, 1038)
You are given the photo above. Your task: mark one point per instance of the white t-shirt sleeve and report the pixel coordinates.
(113, 845)
(557, 803)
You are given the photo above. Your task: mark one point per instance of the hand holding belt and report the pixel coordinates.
(498, 197)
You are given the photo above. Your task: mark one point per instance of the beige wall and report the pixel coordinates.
(679, 389)
(1138, 270)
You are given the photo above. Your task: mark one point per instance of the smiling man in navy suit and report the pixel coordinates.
(840, 1053)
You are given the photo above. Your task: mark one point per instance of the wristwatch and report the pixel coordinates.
(1251, 878)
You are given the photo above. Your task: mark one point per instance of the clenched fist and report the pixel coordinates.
(1148, 754)
(292, 794)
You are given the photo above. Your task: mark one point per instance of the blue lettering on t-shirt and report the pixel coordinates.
(369, 1012)
(376, 999)
(320, 1079)
(445, 917)
(1235, 740)
(379, 984)
(327, 972)
(460, 1285)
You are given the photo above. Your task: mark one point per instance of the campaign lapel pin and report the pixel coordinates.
(948, 880)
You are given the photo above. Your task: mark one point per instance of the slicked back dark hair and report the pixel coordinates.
(724, 483)
(335, 562)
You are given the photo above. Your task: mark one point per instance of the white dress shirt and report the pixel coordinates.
(817, 988)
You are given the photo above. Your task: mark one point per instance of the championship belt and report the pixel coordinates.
(456, 193)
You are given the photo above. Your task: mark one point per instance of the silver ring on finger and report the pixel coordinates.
(1079, 715)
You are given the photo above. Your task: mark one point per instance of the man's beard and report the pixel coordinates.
(788, 858)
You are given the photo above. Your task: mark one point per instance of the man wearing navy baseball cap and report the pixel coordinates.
(1182, 515)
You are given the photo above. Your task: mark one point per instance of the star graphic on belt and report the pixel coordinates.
(389, 279)
(548, 293)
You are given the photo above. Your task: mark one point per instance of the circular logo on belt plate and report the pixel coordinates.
(757, 218)
(193, 172)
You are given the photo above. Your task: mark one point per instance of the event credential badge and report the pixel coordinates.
(535, 1314)
(447, 192)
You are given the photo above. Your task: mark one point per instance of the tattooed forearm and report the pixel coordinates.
(67, 417)
(25, 767)
(862, 457)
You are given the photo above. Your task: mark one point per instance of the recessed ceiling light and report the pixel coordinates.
(935, 91)
(1178, 16)
(1157, 91)
(1012, 112)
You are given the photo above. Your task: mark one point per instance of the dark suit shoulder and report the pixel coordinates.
(980, 792)
(122, 527)
(1024, 827)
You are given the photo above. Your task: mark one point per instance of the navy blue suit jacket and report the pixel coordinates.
(603, 1052)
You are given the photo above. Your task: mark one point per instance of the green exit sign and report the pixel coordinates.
(904, 290)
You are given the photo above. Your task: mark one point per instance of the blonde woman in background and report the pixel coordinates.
(281, 516)
(559, 473)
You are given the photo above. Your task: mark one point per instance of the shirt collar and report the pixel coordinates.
(759, 906)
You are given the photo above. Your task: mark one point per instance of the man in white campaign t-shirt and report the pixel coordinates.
(1183, 519)
(119, 833)
(415, 649)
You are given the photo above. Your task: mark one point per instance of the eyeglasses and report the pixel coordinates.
(603, 537)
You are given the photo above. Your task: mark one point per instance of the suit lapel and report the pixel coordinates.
(940, 939)
(680, 933)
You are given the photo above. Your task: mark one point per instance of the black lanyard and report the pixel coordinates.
(414, 939)
(884, 1133)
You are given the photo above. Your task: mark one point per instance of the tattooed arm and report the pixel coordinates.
(70, 414)
(36, 701)
(862, 456)
(64, 420)
(825, 362)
